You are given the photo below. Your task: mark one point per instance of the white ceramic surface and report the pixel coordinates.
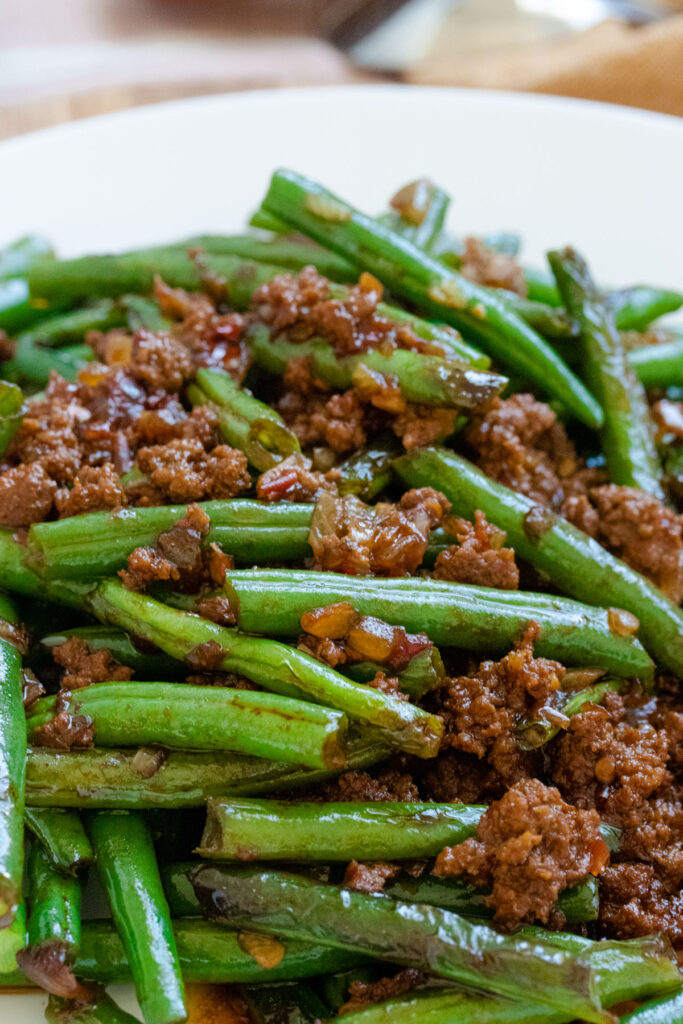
(607, 179)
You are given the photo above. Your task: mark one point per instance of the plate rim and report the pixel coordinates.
(487, 97)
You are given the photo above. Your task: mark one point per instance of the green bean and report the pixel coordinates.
(140, 779)
(16, 576)
(98, 543)
(623, 971)
(208, 953)
(32, 364)
(672, 458)
(179, 716)
(414, 935)
(19, 256)
(267, 222)
(281, 669)
(18, 311)
(12, 410)
(658, 366)
(627, 436)
(175, 878)
(288, 253)
(430, 380)
(150, 663)
(655, 366)
(245, 422)
(63, 837)
(249, 829)
(129, 872)
(12, 774)
(47, 346)
(478, 619)
(72, 326)
(423, 673)
(73, 281)
(668, 1010)
(284, 1004)
(427, 283)
(636, 307)
(449, 341)
(54, 927)
(549, 321)
(103, 1011)
(575, 563)
(541, 286)
(534, 733)
(143, 314)
(12, 940)
(8, 611)
(578, 903)
(368, 471)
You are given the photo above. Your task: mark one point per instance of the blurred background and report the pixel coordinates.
(64, 59)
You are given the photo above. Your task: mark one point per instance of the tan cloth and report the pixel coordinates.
(612, 62)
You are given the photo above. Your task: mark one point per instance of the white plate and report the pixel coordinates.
(607, 179)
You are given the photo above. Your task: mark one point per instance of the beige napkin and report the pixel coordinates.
(613, 62)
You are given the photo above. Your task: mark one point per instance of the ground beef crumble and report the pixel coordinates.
(151, 359)
(634, 901)
(363, 994)
(481, 711)
(65, 732)
(602, 761)
(386, 784)
(530, 846)
(26, 495)
(637, 528)
(370, 877)
(95, 489)
(420, 425)
(340, 420)
(519, 442)
(303, 307)
(617, 762)
(82, 667)
(179, 556)
(479, 558)
(182, 470)
(489, 267)
(214, 339)
(386, 540)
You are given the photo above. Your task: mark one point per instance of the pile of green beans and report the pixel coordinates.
(191, 793)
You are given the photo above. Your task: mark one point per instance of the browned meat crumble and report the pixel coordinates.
(363, 994)
(65, 732)
(494, 269)
(82, 667)
(482, 711)
(530, 846)
(519, 442)
(479, 557)
(637, 528)
(386, 784)
(179, 556)
(303, 306)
